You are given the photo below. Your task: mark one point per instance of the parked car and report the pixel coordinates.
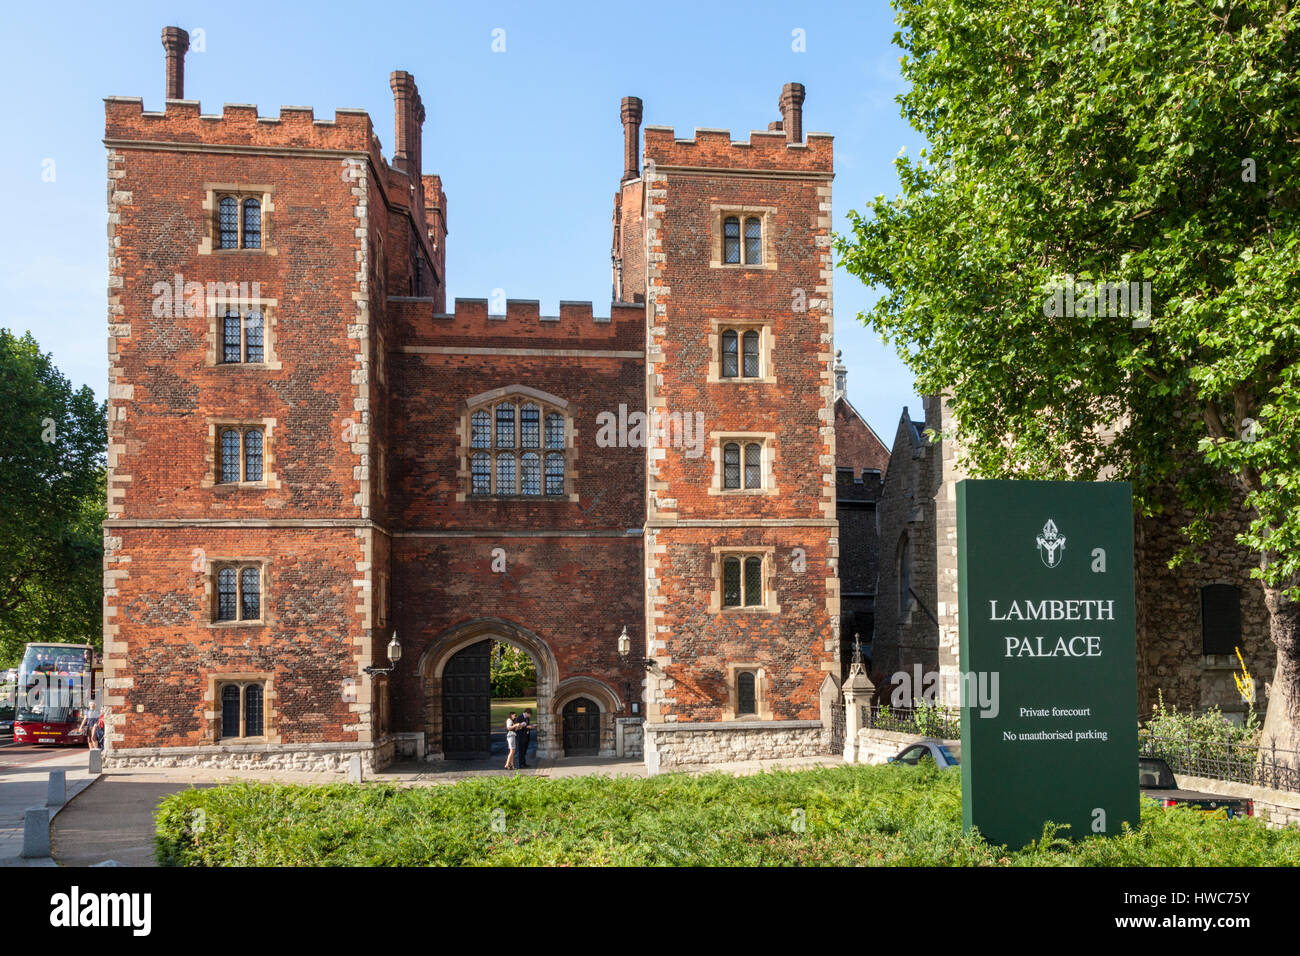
(1157, 782)
(6, 721)
(928, 749)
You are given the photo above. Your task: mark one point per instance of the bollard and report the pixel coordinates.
(36, 833)
(354, 769)
(96, 762)
(56, 792)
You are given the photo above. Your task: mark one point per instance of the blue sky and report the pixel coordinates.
(527, 141)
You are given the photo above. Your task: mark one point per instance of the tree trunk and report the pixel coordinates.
(1282, 720)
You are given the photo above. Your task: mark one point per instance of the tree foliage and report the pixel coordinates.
(52, 472)
(1108, 142)
(512, 671)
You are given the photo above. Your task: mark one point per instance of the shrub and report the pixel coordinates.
(852, 815)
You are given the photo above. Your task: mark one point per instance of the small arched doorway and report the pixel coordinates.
(581, 728)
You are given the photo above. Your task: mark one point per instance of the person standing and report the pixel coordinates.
(524, 731)
(511, 737)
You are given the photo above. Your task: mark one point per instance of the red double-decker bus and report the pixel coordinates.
(56, 685)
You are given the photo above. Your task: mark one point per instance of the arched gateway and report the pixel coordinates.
(453, 672)
(454, 675)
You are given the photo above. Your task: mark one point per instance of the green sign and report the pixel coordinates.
(1047, 623)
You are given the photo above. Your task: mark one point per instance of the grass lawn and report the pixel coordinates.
(501, 709)
(852, 815)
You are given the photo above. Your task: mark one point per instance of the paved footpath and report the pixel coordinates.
(24, 779)
(114, 818)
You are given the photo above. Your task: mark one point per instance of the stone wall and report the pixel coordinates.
(315, 758)
(630, 737)
(877, 746)
(1278, 808)
(1170, 650)
(679, 746)
(907, 632)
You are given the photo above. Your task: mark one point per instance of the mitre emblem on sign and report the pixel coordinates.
(1051, 544)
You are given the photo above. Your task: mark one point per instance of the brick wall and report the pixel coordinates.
(794, 641)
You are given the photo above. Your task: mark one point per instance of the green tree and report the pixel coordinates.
(52, 473)
(1092, 141)
(513, 671)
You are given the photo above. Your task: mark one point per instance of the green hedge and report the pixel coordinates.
(887, 815)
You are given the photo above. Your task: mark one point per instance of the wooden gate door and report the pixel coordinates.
(467, 703)
(581, 728)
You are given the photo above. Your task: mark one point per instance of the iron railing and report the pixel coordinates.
(943, 722)
(1263, 766)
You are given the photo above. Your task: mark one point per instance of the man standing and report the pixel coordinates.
(524, 733)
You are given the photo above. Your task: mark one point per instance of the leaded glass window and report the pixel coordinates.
(506, 475)
(250, 594)
(753, 581)
(530, 427)
(555, 430)
(753, 465)
(480, 430)
(230, 710)
(480, 474)
(512, 436)
(252, 455)
(242, 455)
(731, 465)
(231, 347)
(555, 474)
(253, 337)
(731, 582)
(745, 703)
(530, 474)
(228, 223)
(227, 595)
(730, 365)
(230, 455)
(753, 242)
(731, 240)
(505, 426)
(253, 710)
(241, 710)
(750, 348)
(252, 224)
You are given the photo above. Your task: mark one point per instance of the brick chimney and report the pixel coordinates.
(791, 103)
(175, 41)
(631, 115)
(408, 115)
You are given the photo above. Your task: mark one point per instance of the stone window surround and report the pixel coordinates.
(212, 458)
(270, 714)
(216, 329)
(720, 211)
(762, 697)
(766, 346)
(210, 589)
(768, 460)
(518, 395)
(214, 192)
(768, 554)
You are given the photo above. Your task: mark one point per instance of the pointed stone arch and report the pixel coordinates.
(463, 635)
(610, 703)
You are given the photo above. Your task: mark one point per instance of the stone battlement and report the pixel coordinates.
(521, 323)
(238, 124)
(714, 148)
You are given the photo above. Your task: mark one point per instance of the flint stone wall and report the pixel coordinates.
(314, 758)
(679, 746)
